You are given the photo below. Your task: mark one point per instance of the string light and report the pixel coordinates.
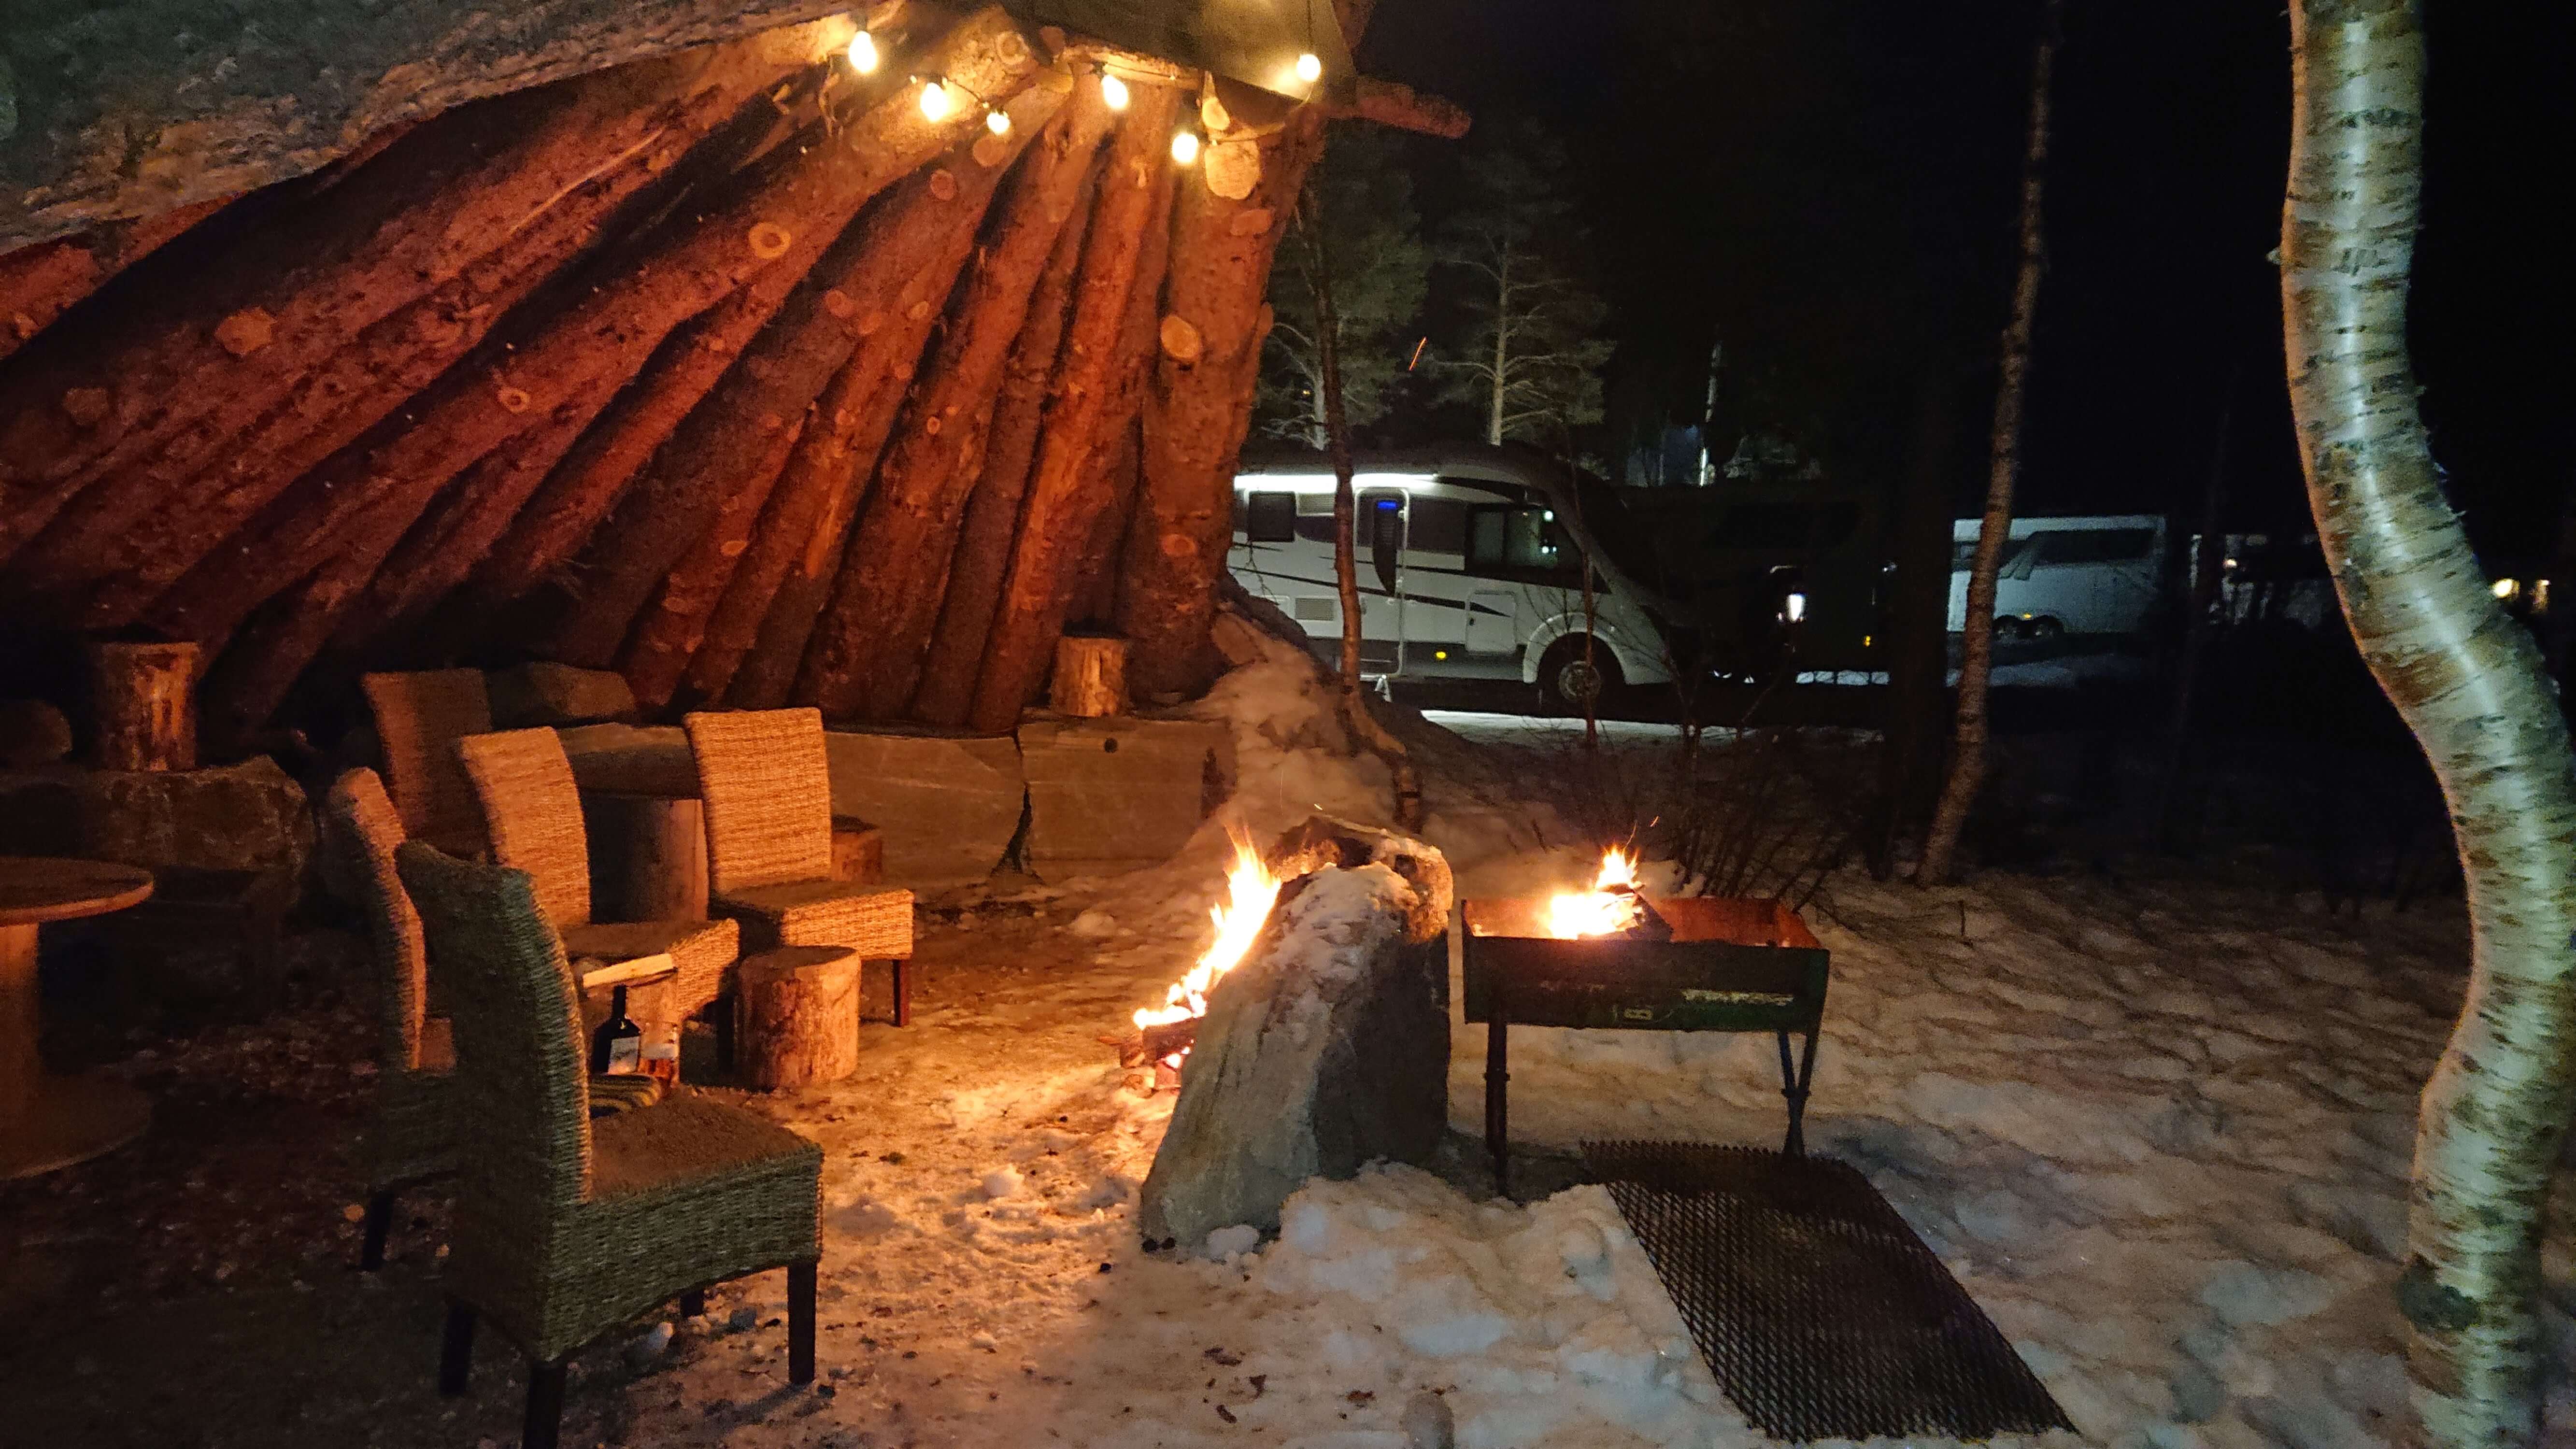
(863, 53)
(936, 103)
(1310, 67)
(1113, 91)
(998, 122)
(1185, 146)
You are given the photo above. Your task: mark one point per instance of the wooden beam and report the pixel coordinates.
(1390, 103)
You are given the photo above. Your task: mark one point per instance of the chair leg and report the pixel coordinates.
(800, 1323)
(693, 1304)
(902, 990)
(456, 1349)
(545, 1405)
(723, 1007)
(380, 1217)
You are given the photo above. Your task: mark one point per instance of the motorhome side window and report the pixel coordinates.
(1518, 543)
(2096, 545)
(1270, 517)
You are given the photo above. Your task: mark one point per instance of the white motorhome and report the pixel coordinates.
(2093, 575)
(1470, 567)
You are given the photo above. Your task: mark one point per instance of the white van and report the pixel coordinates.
(2060, 576)
(1470, 567)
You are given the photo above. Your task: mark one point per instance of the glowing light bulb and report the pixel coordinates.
(1113, 92)
(936, 103)
(863, 53)
(1185, 146)
(998, 122)
(1310, 67)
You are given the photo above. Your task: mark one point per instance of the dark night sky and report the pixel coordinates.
(1827, 184)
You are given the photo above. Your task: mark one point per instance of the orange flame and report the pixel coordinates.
(1251, 890)
(1608, 908)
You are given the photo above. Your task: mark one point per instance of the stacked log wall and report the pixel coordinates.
(730, 369)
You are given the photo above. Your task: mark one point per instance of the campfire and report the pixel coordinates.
(1164, 1033)
(1613, 907)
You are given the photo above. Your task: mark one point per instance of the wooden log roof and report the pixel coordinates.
(757, 379)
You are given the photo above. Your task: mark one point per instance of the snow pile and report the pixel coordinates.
(1292, 757)
(1542, 1325)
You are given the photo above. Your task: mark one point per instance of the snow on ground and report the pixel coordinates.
(2159, 1131)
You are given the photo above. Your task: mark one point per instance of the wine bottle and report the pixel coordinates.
(617, 1048)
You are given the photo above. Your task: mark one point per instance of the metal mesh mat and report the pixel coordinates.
(1818, 1310)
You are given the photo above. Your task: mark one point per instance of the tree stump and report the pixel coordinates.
(648, 856)
(858, 851)
(147, 712)
(1090, 679)
(796, 1016)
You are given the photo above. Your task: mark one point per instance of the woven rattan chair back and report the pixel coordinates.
(360, 824)
(419, 719)
(519, 1070)
(532, 815)
(768, 792)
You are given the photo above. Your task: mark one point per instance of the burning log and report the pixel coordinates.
(609, 333)
(1064, 495)
(867, 649)
(1326, 1049)
(1198, 410)
(992, 518)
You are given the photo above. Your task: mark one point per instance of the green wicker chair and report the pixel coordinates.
(569, 1227)
(419, 717)
(412, 1139)
(768, 792)
(532, 813)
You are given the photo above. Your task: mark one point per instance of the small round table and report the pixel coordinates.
(46, 1121)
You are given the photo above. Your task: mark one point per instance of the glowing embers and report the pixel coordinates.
(1251, 890)
(1611, 908)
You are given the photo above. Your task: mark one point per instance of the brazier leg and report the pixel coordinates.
(1497, 1103)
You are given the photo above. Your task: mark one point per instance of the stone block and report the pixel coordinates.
(1326, 1050)
(637, 759)
(946, 807)
(1107, 796)
(249, 818)
(545, 693)
(32, 733)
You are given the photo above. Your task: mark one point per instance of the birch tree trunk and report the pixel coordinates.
(2470, 684)
(1977, 639)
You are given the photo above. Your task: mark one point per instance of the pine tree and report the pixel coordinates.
(1362, 198)
(1530, 362)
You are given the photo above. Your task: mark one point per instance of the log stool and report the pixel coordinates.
(796, 1016)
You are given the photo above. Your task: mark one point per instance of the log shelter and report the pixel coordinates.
(690, 350)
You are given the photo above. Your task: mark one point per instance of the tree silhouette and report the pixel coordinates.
(1530, 360)
(1362, 198)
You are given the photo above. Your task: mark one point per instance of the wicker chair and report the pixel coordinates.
(413, 1138)
(568, 1228)
(419, 718)
(414, 1135)
(532, 812)
(768, 793)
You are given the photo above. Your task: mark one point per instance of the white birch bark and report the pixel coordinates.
(2469, 682)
